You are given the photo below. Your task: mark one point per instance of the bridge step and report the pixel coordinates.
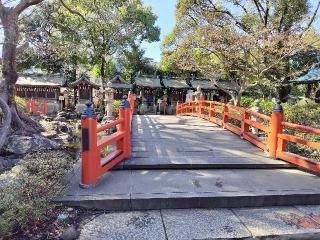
(169, 189)
(202, 162)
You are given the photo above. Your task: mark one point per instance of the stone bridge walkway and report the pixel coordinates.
(185, 162)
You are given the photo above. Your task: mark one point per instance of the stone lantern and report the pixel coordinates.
(198, 93)
(189, 96)
(108, 102)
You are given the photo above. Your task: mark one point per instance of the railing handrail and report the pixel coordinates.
(301, 127)
(109, 125)
(275, 143)
(93, 165)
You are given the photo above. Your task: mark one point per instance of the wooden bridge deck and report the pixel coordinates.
(185, 162)
(170, 142)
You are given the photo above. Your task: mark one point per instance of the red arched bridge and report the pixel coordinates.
(210, 154)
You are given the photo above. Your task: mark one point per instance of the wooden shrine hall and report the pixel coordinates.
(38, 85)
(119, 85)
(83, 89)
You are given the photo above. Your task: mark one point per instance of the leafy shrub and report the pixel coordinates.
(304, 112)
(247, 102)
(116, 105)
(25, 202)
(21, 102)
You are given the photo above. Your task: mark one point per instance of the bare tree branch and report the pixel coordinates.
(313, 17)
(73, 11)
(23, 4)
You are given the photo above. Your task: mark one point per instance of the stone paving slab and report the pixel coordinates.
(125, 226)
(285, 221)
(163, 189)
(281, 223)
(183, 224)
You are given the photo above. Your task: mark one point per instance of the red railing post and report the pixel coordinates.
(125, 114)
(201, 105)
(44, 109)
(225, 117)
(177, 108)
(244, 125)
(194, 107)
(275, 129)
(33, 106)
(90, 159)
(28, 105)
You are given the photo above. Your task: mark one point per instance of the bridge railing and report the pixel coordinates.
(266, 132)
(36, 107)
(93, 165)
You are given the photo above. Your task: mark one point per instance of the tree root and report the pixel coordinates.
(6, 123)
(23, 124)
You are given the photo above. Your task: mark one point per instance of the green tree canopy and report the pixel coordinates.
(93, 32)
(245, 42)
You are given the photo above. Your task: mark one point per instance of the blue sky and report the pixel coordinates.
(165, 10)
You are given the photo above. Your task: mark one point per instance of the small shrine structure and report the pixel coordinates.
(176, 89)
(120, 87)
(208, 88)
(83, 89)
(147, 89)
(37, 84)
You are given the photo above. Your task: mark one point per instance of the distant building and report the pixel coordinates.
(83, 89)
(311, 78)
(37, 84)
(119, 85)
(147, 89)
(177, 89)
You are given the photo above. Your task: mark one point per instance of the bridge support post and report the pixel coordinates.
(90, 163)
(276, 128)
(125, 126)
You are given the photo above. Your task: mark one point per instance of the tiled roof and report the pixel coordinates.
(175, 83)
(147, 81)
(119, 83)
(84, 79)
(204, 84)
(312, 76)
(40, 80)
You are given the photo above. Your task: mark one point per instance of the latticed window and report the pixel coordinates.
(84, 93)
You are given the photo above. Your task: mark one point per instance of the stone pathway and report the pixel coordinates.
(294, 222)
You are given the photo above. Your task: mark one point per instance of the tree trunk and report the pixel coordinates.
(20, 122)
(236, 97)
(309, 90)
(283, 92)
(9, 50)
(6, 122)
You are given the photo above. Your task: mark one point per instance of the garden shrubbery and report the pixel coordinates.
(25, 203)
(116, 105)
(21, 102)
(304, 112)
